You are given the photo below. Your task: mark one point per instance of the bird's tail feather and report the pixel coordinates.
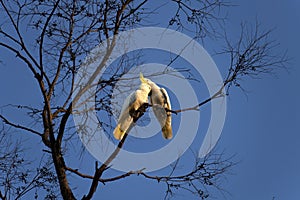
(118, 133)
(167, 129)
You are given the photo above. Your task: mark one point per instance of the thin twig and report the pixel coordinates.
(6, 121)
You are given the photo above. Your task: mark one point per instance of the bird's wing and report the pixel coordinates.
(140, 105)
(125, 119)
(167, 103)
(167, 128)
(128, 103)
(161, 103)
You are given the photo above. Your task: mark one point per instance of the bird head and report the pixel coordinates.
(149, 82)
(145, 84)
(146, 80)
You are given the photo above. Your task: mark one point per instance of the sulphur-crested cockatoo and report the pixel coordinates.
(161, 106)
(133, 108)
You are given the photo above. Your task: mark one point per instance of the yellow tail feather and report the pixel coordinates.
(118, 133)
(167, 131)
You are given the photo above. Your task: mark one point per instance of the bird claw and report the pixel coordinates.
(171, 111)
(136, 114)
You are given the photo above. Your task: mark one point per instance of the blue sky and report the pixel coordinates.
(262, 128)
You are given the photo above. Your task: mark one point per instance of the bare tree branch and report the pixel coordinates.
(17, 126)
(254, 54)
(66, 31)
(99, 171)
(17, 178)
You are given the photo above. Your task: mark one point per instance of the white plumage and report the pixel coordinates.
(161, 106)
(133, 108)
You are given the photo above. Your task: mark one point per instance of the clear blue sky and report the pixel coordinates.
(262, 128)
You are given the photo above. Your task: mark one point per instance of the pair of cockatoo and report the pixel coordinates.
(136, 104)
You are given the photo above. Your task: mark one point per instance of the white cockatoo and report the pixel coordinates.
(133, 108)
(161, 106)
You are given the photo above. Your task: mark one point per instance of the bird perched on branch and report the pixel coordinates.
(161, 106)
(133, 108)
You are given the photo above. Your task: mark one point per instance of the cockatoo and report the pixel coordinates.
(161, 106)
(133, 108)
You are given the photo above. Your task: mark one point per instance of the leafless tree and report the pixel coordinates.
(18, 177)
(63, 33)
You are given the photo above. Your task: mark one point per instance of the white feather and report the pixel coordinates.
(161, 104)
(130, 108)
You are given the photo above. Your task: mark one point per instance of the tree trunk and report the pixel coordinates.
(59, 164)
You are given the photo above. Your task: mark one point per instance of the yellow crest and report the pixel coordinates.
(143, 80)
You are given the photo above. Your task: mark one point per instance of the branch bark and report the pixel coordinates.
(99, 171)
